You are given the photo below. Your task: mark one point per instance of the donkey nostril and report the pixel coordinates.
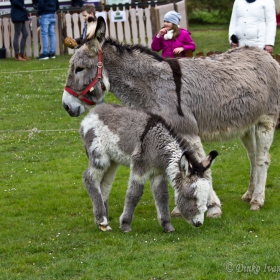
(197, 224)
(66, 107)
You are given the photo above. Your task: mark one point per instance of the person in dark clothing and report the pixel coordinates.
(19, 17)
(77, 3)
(46, 10)
(35, 4)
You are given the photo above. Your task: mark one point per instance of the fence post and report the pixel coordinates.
(155, 20)
(186, 13)
(6, 30)
(181, 8)
(149, 25)
(1, 34)
(60, 37)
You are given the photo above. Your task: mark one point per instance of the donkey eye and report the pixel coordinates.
(78, 69)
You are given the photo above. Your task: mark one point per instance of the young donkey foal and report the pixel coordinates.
(115, 135)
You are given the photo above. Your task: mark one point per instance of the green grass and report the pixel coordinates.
(206, 17)
(47, 229)
(214, 37)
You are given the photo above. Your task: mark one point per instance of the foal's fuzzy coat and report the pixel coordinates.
(115, 135)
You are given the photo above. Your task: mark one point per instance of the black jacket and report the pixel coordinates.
(18, 11)
(80, 39)
(46, 7)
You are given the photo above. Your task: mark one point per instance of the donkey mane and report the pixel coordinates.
(122, 48)
(153, 120)
(173, 63)
(184, 145)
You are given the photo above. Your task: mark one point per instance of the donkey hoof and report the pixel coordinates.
(246, 197)
(105, 228)
(214, 211)
(126, 228)
(169, 228)
(176, 213)
(255, 207)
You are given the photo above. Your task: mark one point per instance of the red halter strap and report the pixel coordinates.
(90, 87)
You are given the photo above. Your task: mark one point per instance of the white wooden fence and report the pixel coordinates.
(138, 28)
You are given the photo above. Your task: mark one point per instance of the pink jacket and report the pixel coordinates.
(167, 46)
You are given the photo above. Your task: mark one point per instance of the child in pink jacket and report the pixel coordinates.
(172, 39)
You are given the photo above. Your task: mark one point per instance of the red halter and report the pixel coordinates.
(90, 87)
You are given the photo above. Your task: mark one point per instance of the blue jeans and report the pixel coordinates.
(47, 23)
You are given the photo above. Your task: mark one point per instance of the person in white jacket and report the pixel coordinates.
(253, 23)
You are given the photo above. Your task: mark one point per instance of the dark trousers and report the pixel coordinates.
(20, 28)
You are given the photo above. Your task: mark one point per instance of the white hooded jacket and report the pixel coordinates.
(254, 24)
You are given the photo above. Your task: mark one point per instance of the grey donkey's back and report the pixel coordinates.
(115, 135)
(230, 92)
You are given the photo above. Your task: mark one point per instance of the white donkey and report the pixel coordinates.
(234, 94)
(115, 135)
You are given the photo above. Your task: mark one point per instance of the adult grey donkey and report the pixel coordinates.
(115, 135)
(234, 94)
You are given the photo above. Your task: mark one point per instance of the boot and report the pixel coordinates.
(19, 58)
(24, 56)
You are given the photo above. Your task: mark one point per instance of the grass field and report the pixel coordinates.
(47, 229)
(215, 38)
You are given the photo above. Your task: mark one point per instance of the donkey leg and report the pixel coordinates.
(249, 142)
(106, 185)
(133, 196)
(159, 187)
(99, 209)
(214, 207)
(264, 138)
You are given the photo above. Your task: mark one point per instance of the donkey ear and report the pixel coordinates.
(91, 27)
(208, 161)
(184, 163)
(100, 29)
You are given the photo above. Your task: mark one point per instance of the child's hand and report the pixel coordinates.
(178, 50)
(162, 32)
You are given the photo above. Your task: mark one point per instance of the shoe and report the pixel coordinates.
(43, 56)
(51, 55)
(19, 58)
(24, 56)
